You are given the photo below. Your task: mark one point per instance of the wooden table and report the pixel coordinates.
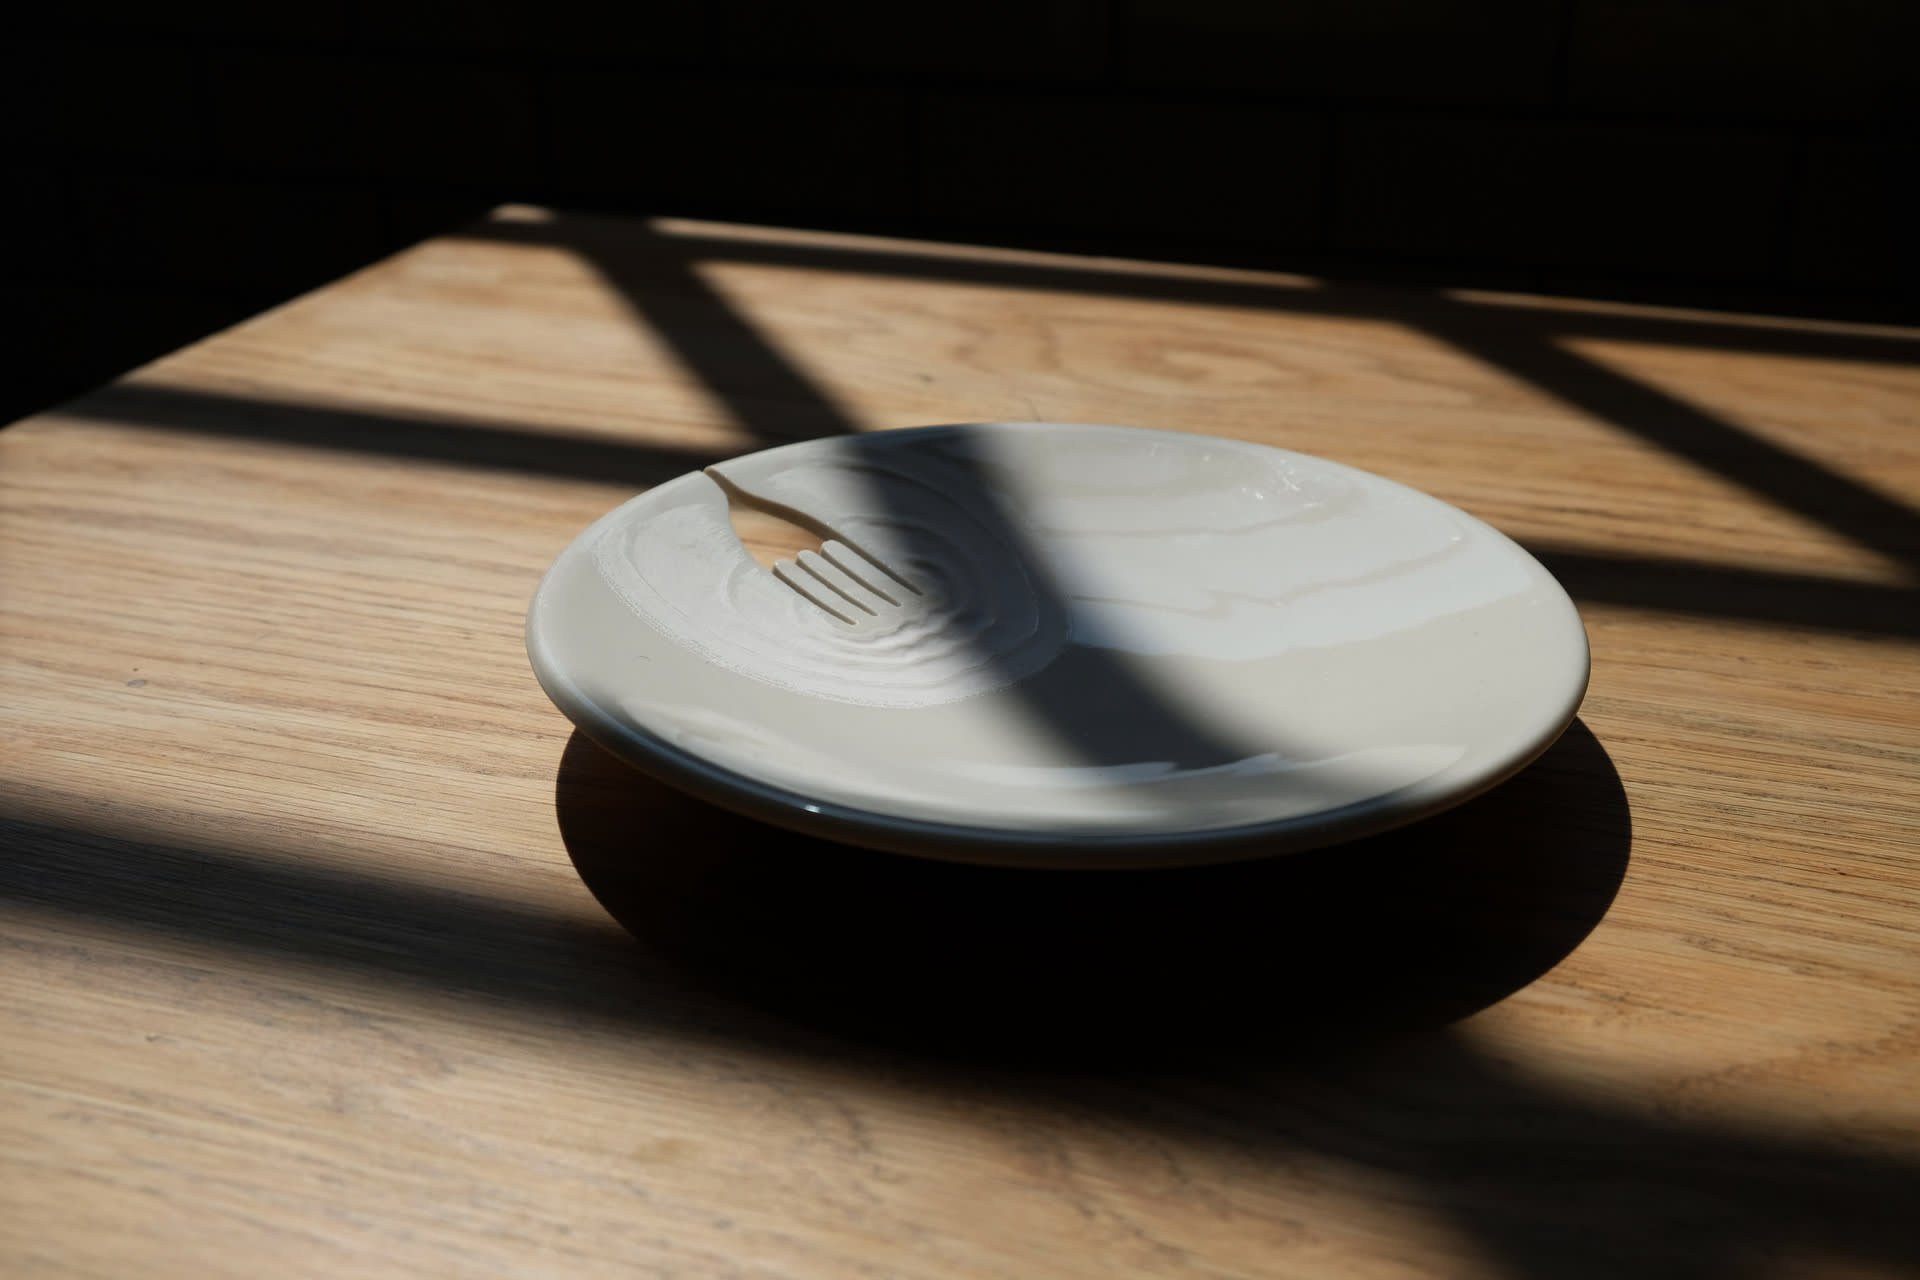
(307, 968)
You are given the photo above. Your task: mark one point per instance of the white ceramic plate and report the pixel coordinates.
(1061, 645)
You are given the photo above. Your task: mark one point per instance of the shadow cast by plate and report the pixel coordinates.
(1284, 956)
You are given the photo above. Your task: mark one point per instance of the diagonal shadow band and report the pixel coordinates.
(1552, 1183)
(655, 274)
(1677, 586)
(611, 238)
(1101, 709)
(1256, 963)
(1292, 1009)
(1519, 342)
(1292, 1038)
(1728, 591)
(1785, 479)
(492, 446)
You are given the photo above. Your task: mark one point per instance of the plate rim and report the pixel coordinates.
(1015, 846)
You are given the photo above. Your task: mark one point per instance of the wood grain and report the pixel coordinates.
(312, 905)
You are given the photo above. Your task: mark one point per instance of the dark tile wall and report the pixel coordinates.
(1682, 202)
(1195, 176)
(172, 168)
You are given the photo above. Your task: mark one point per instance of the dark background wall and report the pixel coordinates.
(173, 167)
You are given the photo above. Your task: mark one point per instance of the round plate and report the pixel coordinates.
(1059, 645)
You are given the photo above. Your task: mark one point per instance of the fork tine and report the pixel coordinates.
(838, 581)
(809, 586)
(851, 560)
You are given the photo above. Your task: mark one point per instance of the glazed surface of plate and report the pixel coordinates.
(1061, 645)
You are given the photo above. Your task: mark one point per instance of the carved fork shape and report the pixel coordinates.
(846, 583)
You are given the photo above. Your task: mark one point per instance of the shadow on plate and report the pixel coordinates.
(1286, 956)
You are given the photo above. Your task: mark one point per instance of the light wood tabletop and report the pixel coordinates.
(329, 949)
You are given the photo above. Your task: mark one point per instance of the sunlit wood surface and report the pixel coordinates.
(307, 970)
